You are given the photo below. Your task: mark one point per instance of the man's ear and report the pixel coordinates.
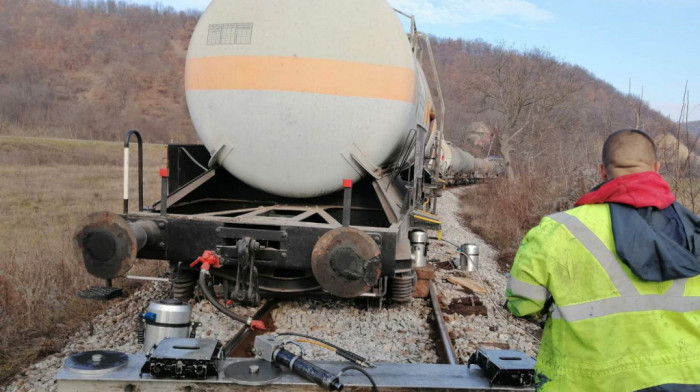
(602, 172)
(656, 166)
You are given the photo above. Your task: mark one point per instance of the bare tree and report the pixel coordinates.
(520, 93)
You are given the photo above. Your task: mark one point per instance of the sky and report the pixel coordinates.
(651, 46)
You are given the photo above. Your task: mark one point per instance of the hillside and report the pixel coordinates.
(93, 69)
(694, 127)
(40, 274)
(549, 119)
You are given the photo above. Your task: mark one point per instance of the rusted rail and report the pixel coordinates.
(242, 342)
(445, 349)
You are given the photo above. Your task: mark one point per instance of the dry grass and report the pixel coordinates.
(46, 187)
(502, 212)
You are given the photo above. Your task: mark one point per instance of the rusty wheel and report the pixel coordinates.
(346, 262)
(107, 245)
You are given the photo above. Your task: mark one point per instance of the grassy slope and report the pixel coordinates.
(46, 187)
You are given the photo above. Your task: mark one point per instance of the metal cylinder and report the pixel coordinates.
(168, 318)
(469, 257)
(419, 248)
(371, 88)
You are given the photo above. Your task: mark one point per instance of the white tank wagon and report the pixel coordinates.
(291, 96)
(455, 161)
(320, 144)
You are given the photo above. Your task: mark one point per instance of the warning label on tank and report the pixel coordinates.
(230, 34)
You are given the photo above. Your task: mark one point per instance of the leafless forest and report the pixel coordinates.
(91, 69)
(549, 121)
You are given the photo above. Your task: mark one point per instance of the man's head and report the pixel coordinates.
(628, 151)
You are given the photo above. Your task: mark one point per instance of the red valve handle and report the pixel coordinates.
(208, 259)
(257, 325)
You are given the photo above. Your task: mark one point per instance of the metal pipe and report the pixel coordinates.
(418, 165)
(419, 243)
(347, 202)
(441, 100)
(146, 232)
(134, 277)
(212, 299)
(163, 192)
(127, 140)
(447, 347)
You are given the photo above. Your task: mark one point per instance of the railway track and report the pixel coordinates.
(242, 342)
(398, 334)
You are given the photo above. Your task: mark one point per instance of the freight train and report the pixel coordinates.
(322, 152)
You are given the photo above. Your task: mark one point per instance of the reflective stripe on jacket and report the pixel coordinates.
(608, 330)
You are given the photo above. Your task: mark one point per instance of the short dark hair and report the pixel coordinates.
(616, 139)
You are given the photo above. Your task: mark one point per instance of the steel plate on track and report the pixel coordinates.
(96, 362)
(253, 372)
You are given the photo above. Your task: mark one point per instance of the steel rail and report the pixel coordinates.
(446, 347)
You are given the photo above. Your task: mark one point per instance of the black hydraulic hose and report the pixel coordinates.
(349, 355)
(445, 241)
(301, 335)
(212, 299)
(308, 370)
(371, 380)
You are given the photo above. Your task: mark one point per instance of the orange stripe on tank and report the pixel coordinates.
(307, 75)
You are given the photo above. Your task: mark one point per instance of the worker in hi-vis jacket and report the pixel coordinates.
(617, 279)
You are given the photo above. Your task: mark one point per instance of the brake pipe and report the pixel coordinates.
(210, 259)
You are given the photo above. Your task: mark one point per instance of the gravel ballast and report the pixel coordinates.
(498, 329)
(399, 333)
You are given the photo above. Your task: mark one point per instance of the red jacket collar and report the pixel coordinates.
(646, 189)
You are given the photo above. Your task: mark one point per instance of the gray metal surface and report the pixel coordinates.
(168, 312)
(171, 311)
(91, 363)
(253, 372)
(193, 349)
(265, 347)
(388, 376)
(419, 241)
(469, 257)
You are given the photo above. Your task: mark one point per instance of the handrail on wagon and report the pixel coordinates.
(127, 140)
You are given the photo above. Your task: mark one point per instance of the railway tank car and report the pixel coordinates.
(457, 166)
(319, 157)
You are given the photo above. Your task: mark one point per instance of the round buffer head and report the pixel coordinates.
(107, 245)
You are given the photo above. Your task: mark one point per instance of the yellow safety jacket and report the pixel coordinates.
(607, 329)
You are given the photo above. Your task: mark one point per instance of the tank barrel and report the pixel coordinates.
(456, 161)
